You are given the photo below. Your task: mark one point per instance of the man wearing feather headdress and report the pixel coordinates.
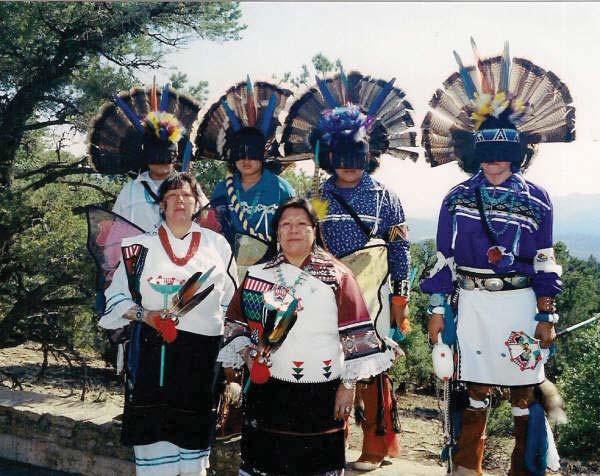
(495, 255)
(258, 190)
(240, 129)
(357, 119)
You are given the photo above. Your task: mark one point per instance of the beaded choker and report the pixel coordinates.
(194, 244)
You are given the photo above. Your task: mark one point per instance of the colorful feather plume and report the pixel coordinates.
(375, 106)
(243, 105)
(539, 104)
(116, 134)
(165, 126)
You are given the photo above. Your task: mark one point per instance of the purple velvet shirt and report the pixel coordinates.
(523, 225)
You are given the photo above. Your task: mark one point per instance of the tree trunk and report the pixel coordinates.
(12, 125)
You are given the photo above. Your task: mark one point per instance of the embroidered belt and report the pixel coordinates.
(492, 282)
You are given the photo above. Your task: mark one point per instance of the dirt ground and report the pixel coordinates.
(421, 436)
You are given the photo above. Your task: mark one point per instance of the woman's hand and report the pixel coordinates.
(147, 316)
(150, 316)
(435, 326)
(344, 399)
(230, 374)
(247, 355)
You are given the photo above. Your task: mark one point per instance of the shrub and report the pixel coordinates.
(580, 387)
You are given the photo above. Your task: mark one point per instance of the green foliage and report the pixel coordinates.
(59, 61)
(500, 421)
(47, 290)
(321, 65)
(416, 368)
(579, 383)
(209, 173)
(199, 92)
(298, 179)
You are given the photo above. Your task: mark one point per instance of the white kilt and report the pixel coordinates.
(490, 346)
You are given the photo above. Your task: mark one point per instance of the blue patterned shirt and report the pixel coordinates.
(380, 209)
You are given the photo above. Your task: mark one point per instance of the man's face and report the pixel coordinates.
(349, 175)
(249, 167)
(160, 171)
(495, 168)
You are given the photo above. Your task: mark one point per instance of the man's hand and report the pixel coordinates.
(344, 399)
(435, 326)
(545, 332)
(400, 315)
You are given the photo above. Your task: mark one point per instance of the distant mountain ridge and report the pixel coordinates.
(576, 223)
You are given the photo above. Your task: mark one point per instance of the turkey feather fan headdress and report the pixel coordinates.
(243, 123)
(143, 126)
(496, 103)
(349, 115)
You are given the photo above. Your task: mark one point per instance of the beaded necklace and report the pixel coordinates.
(493, 201)
(297, 283)
(194, 244)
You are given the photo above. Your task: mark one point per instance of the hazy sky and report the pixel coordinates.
(413, 42)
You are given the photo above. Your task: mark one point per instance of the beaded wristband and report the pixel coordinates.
(401, 288)
(547, 317)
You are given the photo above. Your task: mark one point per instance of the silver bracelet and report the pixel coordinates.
(349, 384)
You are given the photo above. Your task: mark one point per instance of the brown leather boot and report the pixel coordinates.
(471, 442)
(517, 460)
(520, 397)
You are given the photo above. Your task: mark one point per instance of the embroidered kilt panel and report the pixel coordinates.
(181, 411)
(274, 410)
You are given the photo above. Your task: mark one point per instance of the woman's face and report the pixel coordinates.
(295, 232)
(179, 205)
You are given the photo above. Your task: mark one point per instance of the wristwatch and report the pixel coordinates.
(349, 384)
(139, 313)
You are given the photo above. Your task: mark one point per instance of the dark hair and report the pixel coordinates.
(175, 181)
(301, 204)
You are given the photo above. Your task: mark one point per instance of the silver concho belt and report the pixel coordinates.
(493, 283)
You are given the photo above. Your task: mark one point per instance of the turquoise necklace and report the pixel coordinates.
(492, 201)
(297, 283)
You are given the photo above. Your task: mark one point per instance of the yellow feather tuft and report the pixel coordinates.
(321, 207)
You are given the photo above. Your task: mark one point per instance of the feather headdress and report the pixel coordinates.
(137, 120)
(245, 106)
(351, 104)
(519, 92)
